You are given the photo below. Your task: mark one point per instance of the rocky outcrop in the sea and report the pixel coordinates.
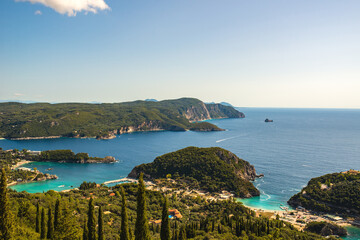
(212, 169)
(45, 177)
(108, 159)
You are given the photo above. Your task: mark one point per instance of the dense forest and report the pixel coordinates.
(129, 211)
(68, 156)
(19, 120)
(334, 193)
(211, 169)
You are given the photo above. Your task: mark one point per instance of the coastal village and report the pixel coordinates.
(298, 217)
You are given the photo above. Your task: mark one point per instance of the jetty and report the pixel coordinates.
(122, 180)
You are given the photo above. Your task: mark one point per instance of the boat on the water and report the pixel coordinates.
(282, 207)
(268, 120)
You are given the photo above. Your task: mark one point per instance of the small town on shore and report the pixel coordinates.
(298, 217)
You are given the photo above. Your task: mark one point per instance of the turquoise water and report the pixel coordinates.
(354, 233)
(300, 144)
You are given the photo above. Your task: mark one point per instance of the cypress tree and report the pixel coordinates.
(182, 233)
(5, 214)
(50, 226)
(43, 225)
(91, 224)
(37, 223)
(69, 227)
(165, 224)
(131, 234)
(124, 232)
(100, 225)
(174, 234)
(157, 228)
(57, 214)
(141, 225)
(85, 232)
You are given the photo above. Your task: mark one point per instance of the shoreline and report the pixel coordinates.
(19, 164)
(298, 218)
(121, 132)
(33, 138)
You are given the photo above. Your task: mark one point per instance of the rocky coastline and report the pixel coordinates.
(39, 177)
(35, 138)
(107, 159)
(169, 115)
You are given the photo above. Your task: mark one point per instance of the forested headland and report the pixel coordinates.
(45, 120)
(210, 169)
(332, 193)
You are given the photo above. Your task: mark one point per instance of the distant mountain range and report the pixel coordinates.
(222, 103)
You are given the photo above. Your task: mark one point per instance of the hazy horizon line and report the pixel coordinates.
(97, 102)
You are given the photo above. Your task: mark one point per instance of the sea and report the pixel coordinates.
(298, 145)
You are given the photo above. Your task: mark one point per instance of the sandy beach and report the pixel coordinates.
(19, 164)
(298, 218)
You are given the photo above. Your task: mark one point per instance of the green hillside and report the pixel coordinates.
(200, 219)
(19, 120)
(211, 169)
(335, 193)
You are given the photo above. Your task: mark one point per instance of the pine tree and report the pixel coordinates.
(37, 221)
(124, 232)
(5, 214)
(43, 225)
(50, 226)
(141, 225)
(100, 225)
(57, 214)
(85, 232)
(91, 224)
(165, 224)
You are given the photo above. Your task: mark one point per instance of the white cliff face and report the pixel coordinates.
(211, 111)
(197, 113)
(145, 126)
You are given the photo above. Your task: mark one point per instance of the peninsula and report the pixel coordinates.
(103, 121)
(209, 169)
(336, 193)
(68, 156)
(13, 159)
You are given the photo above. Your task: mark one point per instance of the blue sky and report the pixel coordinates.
(249, 53)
